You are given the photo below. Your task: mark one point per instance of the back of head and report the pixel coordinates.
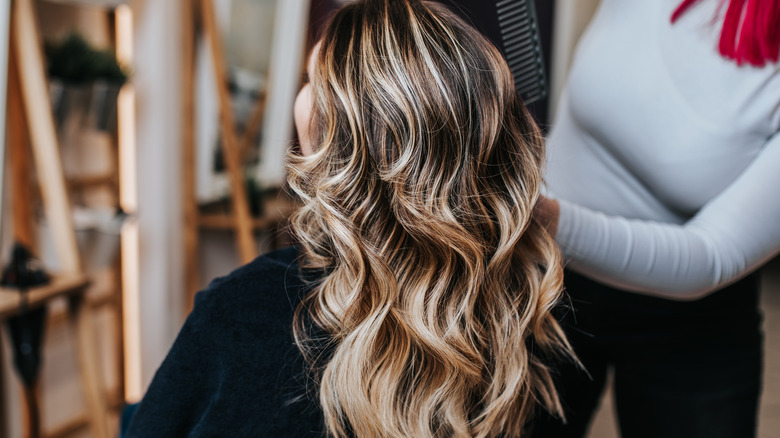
(437, 285)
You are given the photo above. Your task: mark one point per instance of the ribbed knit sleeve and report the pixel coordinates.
(728, 238)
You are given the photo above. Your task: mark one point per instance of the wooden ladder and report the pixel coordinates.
(199, 16)
(30, 122)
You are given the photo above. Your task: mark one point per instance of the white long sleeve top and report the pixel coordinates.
(665, 157)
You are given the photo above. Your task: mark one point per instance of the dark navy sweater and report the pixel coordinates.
(234, 369)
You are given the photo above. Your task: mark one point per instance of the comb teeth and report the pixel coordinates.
(522, 48)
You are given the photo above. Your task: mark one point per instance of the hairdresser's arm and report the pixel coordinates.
(731, 236)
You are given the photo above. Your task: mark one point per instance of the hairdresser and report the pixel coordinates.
(663, 177)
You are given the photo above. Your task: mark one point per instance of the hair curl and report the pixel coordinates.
(418, 197)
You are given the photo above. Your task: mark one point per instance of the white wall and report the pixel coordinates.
(157, 48)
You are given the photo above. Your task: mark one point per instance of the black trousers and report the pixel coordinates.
(681, 369)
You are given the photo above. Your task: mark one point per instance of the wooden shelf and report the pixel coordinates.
(35, 131)
(276, 210)
(107, 4)
(90, 181)
(59, 316)
(10, 298)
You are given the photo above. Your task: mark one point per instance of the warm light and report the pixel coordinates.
(131, 312)
(124, 34)
(128, 196)
(128, 200)
(128, 190)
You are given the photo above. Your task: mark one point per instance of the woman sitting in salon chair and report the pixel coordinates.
(418, 301)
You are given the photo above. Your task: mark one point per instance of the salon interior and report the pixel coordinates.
(143, 156)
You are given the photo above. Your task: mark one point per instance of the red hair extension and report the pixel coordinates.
(770, 14)
(728, 36)
(751, 30)
(684, 6)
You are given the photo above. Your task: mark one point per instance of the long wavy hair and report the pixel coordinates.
(436, 284)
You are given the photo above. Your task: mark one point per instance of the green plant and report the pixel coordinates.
(75, 61)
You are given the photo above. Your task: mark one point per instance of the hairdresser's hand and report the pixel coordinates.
(546, 211)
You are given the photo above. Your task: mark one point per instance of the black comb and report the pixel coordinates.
(512, 27)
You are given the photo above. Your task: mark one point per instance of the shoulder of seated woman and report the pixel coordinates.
(267, 288)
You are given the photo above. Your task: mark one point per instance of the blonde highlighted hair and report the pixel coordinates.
(436, 285)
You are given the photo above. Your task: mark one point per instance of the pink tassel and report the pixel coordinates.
(684, 6)
(769, 14)
(749, 42)
(728, 35)
(751, 30)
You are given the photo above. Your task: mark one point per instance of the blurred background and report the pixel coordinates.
(144, 149)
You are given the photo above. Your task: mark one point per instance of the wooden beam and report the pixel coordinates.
(4, 427)
(21, 204)
(66, 285)
(125, 159)
(118, 326)
(46, 153)
(19, 159)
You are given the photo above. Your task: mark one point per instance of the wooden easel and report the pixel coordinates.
(31, 121)
(198, 16)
